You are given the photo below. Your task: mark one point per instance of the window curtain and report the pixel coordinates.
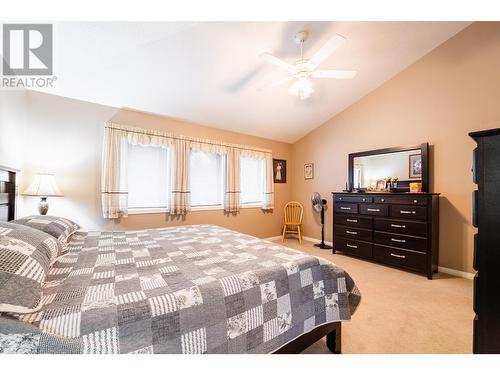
(232, 186)
(180, 195)
(268, 199)
(114, 193)
(268, 183)
(114, 163)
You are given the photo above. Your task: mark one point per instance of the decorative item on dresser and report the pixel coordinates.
(7, 193)
(397, 229)
(486, 217)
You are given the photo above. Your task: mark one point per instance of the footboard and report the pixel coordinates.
(332, 331)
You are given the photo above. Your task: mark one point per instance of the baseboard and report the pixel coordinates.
(316, 240)
(451, 271)
(310, 239)
(272, 238)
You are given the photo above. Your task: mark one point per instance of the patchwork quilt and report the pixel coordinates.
(188, 289)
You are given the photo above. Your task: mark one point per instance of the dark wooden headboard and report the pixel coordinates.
(7, 193)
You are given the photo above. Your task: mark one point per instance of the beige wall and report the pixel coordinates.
(65, 138)
(451, 91)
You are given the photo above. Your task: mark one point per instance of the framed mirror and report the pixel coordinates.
(371, 170)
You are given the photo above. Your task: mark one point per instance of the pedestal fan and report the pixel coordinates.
(319, 206)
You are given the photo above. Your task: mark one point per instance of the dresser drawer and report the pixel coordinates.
(353, 247)
(352, 198)
(399, 240)
(409, 212)
(402, 258)
(354, 233)
(374, 209)
(410, 228)
(408, 200)
(350, 208)
(353, 221)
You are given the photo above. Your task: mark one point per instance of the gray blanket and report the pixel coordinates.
(187, 289)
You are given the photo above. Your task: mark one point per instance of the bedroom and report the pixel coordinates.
(174, 173)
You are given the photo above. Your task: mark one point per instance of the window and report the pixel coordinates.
(206, 178)
(148, 178)
(251, 181)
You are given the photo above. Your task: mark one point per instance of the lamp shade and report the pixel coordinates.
(44, 185)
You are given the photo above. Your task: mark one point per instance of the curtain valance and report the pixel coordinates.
(154, 137)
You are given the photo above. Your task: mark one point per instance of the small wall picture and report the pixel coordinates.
(279, 171)
(308, 171)
(415, 166)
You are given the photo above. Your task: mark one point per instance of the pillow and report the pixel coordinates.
(58, 227)
(26, 255)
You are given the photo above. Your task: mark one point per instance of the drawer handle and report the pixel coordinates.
(382, 200)
(398, 256)
(398, 240)
(398, 226)
(353, 246)
(345, 208)
(415, 201)
(351, 232)
(364, 199)
(373, 209)
(407, 212)
(351, 220)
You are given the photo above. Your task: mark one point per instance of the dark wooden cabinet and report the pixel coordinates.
(397, 229)
(486, 217)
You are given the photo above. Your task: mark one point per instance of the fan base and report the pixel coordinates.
(323, 246)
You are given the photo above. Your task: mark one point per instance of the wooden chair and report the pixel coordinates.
(293, 219)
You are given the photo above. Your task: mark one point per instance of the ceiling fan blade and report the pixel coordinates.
(338, 74)
(274, 60)
(327, 49)
(277, 83)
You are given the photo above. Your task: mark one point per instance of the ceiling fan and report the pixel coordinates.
(302, 70)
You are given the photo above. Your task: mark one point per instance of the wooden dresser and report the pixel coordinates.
(486, 217)
(397, 229)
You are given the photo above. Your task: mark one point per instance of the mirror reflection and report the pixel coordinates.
(374, 172)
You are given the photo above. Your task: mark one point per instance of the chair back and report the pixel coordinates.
(293, 212)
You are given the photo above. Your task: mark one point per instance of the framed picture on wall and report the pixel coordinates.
(415, 166)
(279, 171)
(308, 171)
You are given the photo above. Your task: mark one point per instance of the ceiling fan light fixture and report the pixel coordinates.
(302, 88)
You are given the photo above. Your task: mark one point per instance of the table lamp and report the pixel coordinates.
(44, 185)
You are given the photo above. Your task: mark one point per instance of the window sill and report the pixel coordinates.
(152, 210)
(142, 211)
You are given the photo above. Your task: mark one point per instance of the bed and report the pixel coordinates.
(185, 289)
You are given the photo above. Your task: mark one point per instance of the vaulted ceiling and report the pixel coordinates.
(210, 72)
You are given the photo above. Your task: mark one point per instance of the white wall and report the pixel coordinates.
(12, 123)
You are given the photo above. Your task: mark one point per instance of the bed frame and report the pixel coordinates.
(332, 331)
(7, 193)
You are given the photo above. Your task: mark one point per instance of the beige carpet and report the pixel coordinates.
(401, 312)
